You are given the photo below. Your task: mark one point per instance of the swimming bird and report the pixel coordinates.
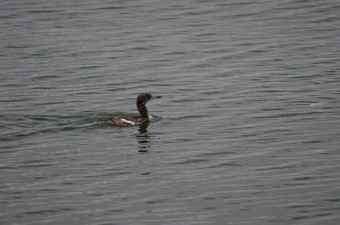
(128, 121)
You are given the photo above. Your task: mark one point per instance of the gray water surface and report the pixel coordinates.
(247, 131)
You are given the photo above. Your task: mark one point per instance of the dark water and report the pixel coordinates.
(247, 131)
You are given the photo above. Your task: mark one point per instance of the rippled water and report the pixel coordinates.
(247, 131)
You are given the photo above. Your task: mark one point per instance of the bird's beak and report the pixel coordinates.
(154, 97)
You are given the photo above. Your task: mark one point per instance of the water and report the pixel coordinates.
(247, 131)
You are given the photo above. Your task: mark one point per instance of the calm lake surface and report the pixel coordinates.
(247, 131)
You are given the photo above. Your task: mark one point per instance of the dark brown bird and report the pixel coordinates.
(128, 121)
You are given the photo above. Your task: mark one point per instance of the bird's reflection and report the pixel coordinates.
(143, 138)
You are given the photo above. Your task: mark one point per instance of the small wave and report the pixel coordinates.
(316, 104)
(19, 126)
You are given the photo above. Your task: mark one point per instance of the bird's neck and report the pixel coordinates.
(143, 111)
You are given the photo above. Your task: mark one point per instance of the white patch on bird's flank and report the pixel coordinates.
(150, 117)
(128, 121)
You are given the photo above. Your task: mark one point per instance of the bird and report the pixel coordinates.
(128, 121)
